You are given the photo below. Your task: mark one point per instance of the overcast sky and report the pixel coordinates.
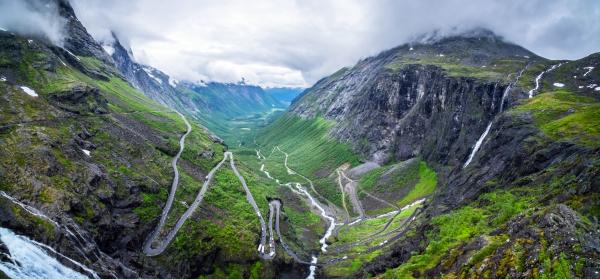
(296, 42)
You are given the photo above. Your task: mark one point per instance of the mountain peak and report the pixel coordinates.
(474, 47)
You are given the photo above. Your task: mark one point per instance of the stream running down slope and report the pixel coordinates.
(539, 77)
(300, 190)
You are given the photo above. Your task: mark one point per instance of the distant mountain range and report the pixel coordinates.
(212, 102)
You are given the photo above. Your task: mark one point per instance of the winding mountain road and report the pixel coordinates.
(339, 179)
(275, 206)
(350, 188)
(292, 172)
(148, 250)
(389, 235)
(154, 246)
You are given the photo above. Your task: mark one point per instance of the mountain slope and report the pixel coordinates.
(230, 100)
(218, 106)
(85, 168)
(406, 84)
(506, 165)
(151, 81)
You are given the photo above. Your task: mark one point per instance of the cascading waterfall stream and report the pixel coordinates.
(298, 189)
(29, 259)
(314, 203)
(81, 241)
(478, 144)
(539, 77)
(489, 126)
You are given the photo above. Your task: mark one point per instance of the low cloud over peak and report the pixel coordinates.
(36, 18)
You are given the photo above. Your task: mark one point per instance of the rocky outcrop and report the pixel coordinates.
(152, 82)
(417, 111)
(80, 100)
(66, 238)
(78, 40)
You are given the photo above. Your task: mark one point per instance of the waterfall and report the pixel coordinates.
(539, 77)
(489, 126)
(30, 259)
(313, 268)
(478, 144)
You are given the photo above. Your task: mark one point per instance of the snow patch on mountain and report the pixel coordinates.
(109, 49)
(29, 91)
(173, 82)
(149, 72)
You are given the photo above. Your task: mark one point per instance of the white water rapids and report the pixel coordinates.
(30, 259)
(331, 220)
(302, 191)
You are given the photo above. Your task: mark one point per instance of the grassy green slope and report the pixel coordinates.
(564, 115)
(311, 151)
(498, 69)
(488, 223)
(401, 184)
(133, 143)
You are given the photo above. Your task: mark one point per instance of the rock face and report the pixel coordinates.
(80, 100)
(153, 82)
(416, 110)
(90, 151)
(78, 40)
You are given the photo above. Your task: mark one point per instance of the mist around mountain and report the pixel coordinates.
(446, 157)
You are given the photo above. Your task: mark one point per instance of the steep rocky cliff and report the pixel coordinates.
(483, 155)
(151, 81)
(78, 40)
(404, 103)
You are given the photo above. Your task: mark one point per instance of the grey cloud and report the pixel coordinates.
(33, 18)
(293, 42)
